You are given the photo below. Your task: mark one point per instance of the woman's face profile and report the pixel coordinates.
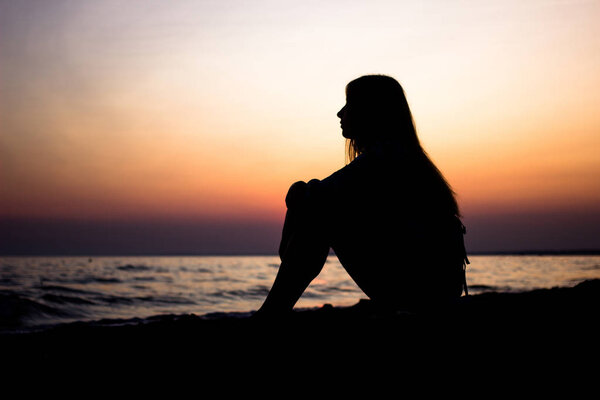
(345, 116)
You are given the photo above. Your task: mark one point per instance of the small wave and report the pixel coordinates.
(16, 310)
(144, 278)
(163, 279)
(591, 267)
(111, 299)
(123, 300)
(47, 264)
(311, 294)
(57, 288)
(81, 281)
(61, 299)
(7, 281)
(216, 279)
(106, 280)
(165, 300)
(9, 267)
(250, 292)
(131, 267)
(334, 289)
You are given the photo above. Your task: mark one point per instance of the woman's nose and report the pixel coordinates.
(341, 112)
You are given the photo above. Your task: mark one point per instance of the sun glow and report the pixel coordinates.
(214, 109)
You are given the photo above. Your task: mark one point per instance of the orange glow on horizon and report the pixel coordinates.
(203, 110)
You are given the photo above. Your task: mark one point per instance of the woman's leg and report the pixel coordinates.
(303, 252)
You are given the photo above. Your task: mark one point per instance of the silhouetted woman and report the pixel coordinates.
(389, 215)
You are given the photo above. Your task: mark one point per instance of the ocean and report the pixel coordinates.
(38, 292)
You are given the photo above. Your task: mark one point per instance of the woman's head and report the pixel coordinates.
(376, 109)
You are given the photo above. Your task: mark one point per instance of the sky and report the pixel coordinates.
(177, 127)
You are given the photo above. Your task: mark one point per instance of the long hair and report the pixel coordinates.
(381, 113)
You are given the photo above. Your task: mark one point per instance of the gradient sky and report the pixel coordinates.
(190, 119)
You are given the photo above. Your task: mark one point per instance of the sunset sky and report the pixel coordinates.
(177, 126)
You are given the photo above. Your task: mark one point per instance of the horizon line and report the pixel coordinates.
(263, 254)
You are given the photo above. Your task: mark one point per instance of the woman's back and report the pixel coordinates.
(388, 224)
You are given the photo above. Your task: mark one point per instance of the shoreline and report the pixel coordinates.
(562, 317)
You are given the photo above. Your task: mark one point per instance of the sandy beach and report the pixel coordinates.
(546, 323)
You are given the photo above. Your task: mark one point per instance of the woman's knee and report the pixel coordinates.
(296, 194)
(301, 191)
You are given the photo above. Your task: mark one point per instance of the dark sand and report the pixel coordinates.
(543, 327)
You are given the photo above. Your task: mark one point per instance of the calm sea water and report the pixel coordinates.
(41, 291)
